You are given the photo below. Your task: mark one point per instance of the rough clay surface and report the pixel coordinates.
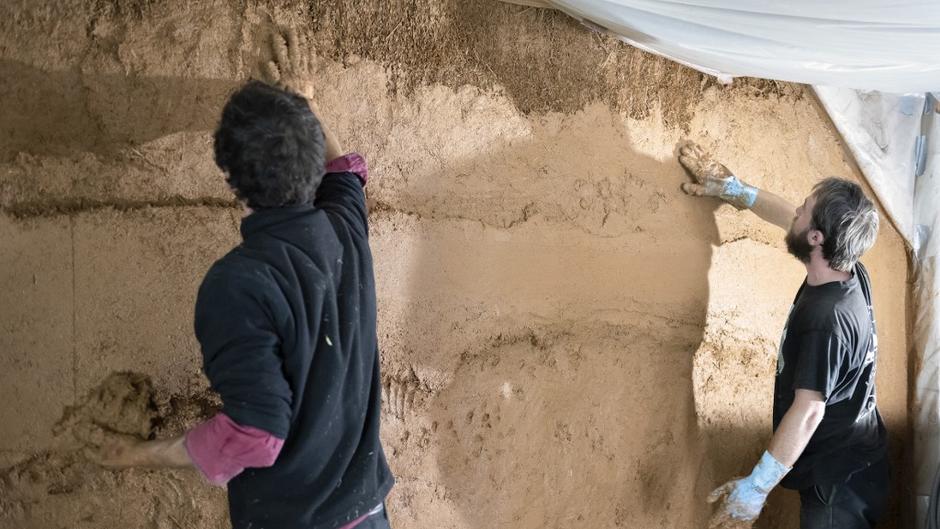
(122, 404)
(567, 340)
(59, 487)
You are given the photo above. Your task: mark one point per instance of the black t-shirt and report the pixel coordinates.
(830, 345)
(287, 325)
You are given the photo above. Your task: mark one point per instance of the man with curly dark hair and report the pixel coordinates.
(287, 324)
(270, 146)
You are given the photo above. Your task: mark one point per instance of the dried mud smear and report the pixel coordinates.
(545, 60)
(106, 72)
(123, 404)
(62, 488)
(127, 403)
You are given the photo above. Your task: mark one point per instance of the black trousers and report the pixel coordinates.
(858, 503)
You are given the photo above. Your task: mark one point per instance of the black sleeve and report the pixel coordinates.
(342, 194)
(820, 360)
(241, 351)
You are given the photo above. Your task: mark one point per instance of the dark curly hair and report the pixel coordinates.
(270, 146)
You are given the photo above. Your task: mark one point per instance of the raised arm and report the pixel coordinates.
(712, 179)
(334, 149)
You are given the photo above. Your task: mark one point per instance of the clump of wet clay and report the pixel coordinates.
(124, 403)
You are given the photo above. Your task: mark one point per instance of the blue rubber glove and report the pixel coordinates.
(744, 498)
(712, 179)
(738, 194)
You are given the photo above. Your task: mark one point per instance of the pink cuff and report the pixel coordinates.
(355, 522)
(350, 163)
(221, 448)
(378, 508)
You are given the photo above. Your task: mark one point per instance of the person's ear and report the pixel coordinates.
(815, 237)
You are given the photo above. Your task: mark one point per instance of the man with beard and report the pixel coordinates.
(829, 440)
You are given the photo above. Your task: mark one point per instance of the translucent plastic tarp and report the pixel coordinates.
(882, 131)
(885, 45)
(926, 294)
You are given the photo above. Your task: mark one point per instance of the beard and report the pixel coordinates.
(798, 246)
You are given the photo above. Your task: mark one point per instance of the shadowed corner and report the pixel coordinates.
(64, 112)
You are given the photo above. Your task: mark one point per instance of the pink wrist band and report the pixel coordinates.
(221, 448)
(350, 163)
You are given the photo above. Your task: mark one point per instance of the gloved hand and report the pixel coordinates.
(745, 497)
(714, 179)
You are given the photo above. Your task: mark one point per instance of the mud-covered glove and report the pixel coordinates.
(712, 179)
(744, 498)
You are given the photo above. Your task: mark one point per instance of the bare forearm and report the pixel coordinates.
(333, 148)
(774, 209)
(164, 453)
(794, 432)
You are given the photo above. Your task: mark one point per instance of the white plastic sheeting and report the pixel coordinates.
(926, 322)
(885, 45)
(881, 130)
